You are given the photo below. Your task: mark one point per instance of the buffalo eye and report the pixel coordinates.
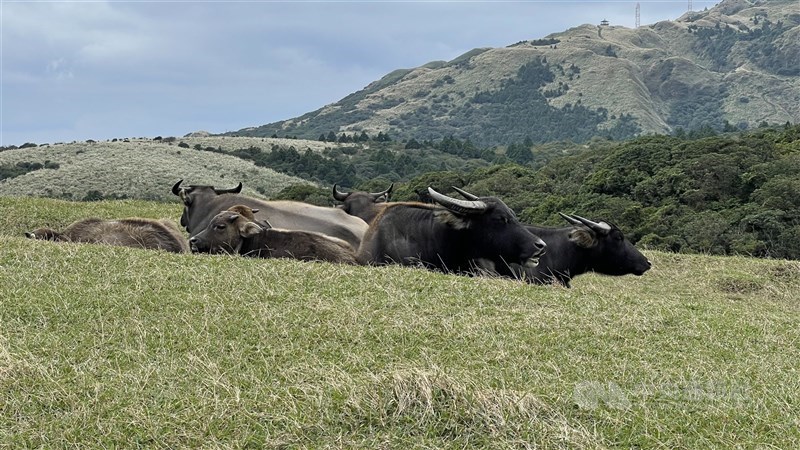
(220, 226)
(502, 220)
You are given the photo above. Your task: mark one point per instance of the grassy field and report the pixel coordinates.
(115, 347)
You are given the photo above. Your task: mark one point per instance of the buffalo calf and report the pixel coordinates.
(236, 231)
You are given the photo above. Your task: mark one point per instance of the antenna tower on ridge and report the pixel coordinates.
(637, 15)
(690, 5)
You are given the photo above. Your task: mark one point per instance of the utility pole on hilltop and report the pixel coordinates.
(637, 15)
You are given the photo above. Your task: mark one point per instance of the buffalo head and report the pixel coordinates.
(607, 251)
(226, 231)
(192, 195)
(365, 205)
(492, 231)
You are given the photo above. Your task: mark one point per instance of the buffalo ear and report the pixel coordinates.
(452, 220)
(30, 235)
(249, 229)
(583, 237)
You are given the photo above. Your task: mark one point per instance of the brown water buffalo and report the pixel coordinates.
(237, 231)
(201, 203)
(130, 232)
(365, 205)
(452, 235)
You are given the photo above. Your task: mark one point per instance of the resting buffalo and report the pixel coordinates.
(586, 246)
(452, 236)
(365, 205)
(237, 231)
(201, 203)
(131, 232)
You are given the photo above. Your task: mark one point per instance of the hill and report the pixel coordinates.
(737, 64)
(116, 347)
(133, 168)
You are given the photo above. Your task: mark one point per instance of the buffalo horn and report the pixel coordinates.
(387, 193)
(570, 219)
(456, 205)
(339, 195)
(176, 188)
(600, 227)
(235, 190)
(466, 194)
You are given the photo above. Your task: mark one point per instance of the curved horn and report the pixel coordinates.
(600, 227)
(339, 195)
(570, 219)
(387, 193)
(465, 194)
(235, 190)
(176, 188)
(456, 205)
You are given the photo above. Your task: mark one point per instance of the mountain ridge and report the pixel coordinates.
(735, 64)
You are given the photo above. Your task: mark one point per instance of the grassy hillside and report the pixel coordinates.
(108, 347)
(134, 169)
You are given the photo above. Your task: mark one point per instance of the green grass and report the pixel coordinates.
(116, 347)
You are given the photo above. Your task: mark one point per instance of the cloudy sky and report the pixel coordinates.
(93, 69)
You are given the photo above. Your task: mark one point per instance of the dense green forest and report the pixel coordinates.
(733, 193)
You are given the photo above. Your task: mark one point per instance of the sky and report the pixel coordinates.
(93, 69)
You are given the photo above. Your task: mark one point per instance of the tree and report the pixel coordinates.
(519, 153)
(413, 144)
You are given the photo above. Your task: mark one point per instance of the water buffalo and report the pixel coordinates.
(201, 203)
(452, 235)
(131, 232)
(586, 246)
(365, 205)
(237, 231)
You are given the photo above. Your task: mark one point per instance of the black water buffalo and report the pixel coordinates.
(237, 231)
(452, 235)
(586, 246)
(365, 205)
(130, 232)
(201, 203)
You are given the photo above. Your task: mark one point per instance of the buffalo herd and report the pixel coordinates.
(471, 235)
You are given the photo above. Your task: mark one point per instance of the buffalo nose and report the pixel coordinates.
(540, 247)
